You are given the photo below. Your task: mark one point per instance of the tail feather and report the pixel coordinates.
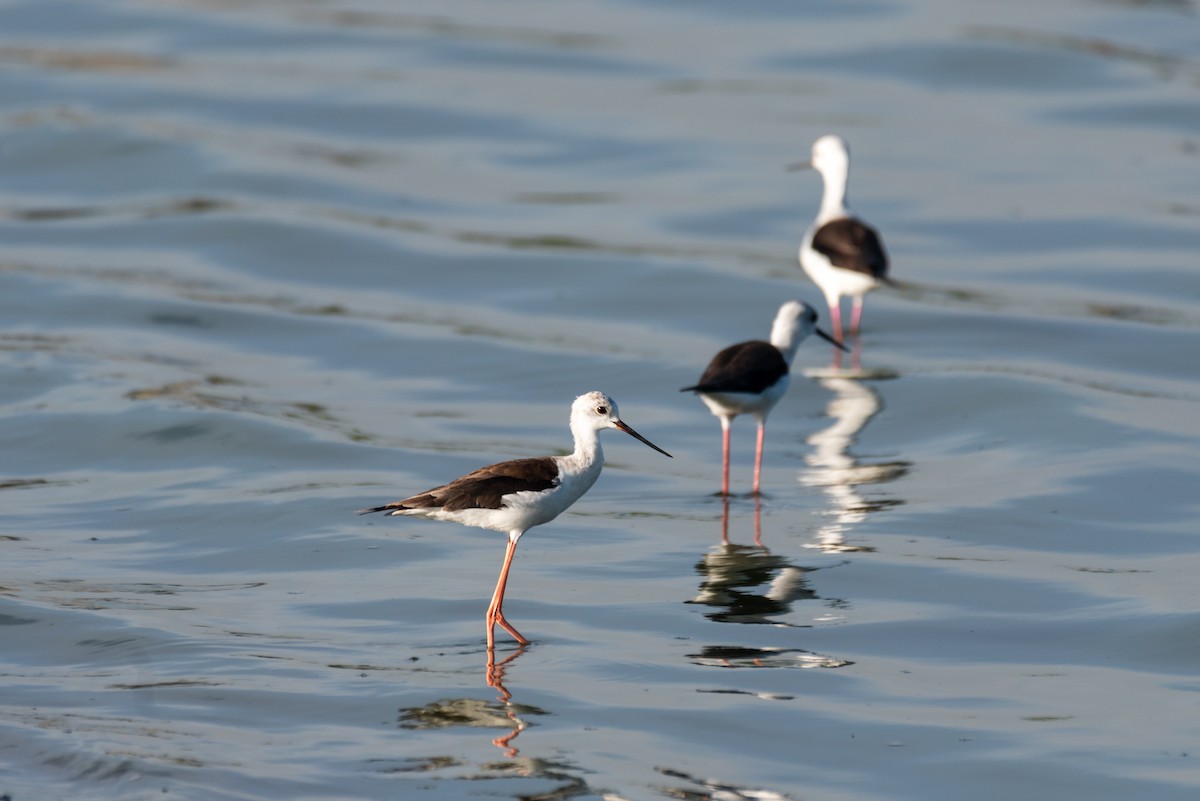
(383, 508)
(713, 386)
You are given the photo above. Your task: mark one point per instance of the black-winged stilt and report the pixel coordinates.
(841, 254)
(750, 377)
(514, 496)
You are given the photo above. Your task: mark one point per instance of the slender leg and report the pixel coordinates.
(725, 423)
(495, 613)
(758, 450)
(835, 322)
(856, 315)
(835, 316)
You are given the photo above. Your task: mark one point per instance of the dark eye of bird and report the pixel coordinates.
(601, 410)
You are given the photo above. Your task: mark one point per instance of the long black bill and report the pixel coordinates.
(830, 339)
(799, 165)
(636, 435)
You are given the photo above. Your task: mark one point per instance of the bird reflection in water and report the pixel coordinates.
(748, 583)
(502, 713)
(714, 790)
(495, 680)
(757, 521)
(740, 656)
(564, 780)
(839, 473)
(855, 357)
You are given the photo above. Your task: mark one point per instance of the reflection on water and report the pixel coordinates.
(495, 679)
(502, 713)
(712, 790)
(750, 584)
(836, 471)
(736, 656)
(757, 520)
(855, 356)
(733, 572)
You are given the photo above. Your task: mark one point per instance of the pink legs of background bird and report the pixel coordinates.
(856, 315)
(726, 423)
(758, 453)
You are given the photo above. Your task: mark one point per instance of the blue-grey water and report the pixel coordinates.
(265, 263)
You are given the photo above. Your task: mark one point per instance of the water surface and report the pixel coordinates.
(265, 264)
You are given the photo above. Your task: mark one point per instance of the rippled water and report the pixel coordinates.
(265, 263)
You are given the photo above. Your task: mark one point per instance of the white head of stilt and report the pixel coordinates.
(831, 158)
(793, 323)
(591, 413)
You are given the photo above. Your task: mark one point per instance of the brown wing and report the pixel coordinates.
(852, 245)
(484, 488)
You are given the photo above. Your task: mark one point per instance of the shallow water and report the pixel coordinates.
(264, 264)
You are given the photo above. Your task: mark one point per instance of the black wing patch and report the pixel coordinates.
(753, 366)
(852, 245)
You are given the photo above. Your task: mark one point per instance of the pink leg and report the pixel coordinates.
(758, 451)
(835, 323)
(856, 315)
(835, 318)
(495, 612)
(725, 423)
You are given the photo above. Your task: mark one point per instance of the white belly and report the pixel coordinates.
(835, 282)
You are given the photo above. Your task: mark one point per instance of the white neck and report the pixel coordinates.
(785, 338)
(790, 328)
(587, 446)
(833, 201)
